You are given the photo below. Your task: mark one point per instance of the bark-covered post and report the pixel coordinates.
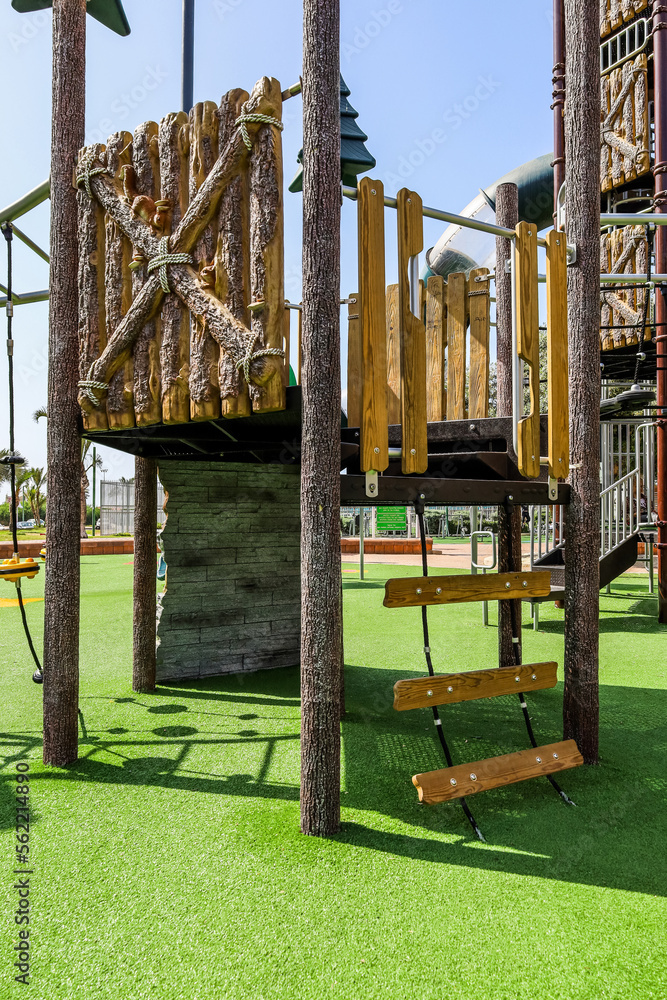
(582, 535)
(509, 519)
(61, 589)
(145, 526)
(660, 204)
(320, 447)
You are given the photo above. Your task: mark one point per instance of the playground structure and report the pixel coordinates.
(183, 325)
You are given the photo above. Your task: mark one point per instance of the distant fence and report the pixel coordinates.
(117, 507)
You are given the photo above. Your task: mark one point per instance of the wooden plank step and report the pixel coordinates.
(448, 689)
(481, 775)
(417, 591)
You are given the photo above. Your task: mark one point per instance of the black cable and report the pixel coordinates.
(7, 232)
(429, 663)
(516, 647)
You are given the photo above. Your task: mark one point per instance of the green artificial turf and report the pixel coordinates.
(168, 861)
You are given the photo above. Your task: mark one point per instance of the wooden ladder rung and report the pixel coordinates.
(416, 591)
(481, 775)
(448, 689)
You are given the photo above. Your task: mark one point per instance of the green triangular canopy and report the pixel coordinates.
(108, 12)
(354, 157)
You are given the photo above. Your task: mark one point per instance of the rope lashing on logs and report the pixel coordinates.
(86, 170)
(251, 354)
(607, 125)
(162, 259)
(88, 387)
(255, 117)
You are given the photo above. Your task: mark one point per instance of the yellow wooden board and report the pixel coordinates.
(353, 362)
(449, 689)
(480, 328)
(557, 364)
(482, 775)
(528, 345)
(374, 452)
(417, 591)
(413, 338)
(393, 356)
(436, 342)
(457, 322)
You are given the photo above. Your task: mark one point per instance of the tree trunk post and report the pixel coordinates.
(320, 449)
(582, 536)
(144, 605)
(660, 203)
(509, 518)
(558, 81)
(61, 588)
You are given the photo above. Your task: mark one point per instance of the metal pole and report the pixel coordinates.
(362, 514)
(660, 203)
(188, 60)
(94, 470)
(558, 105)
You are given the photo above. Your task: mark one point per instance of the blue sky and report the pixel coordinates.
(451, 97)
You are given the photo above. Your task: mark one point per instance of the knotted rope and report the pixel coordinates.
(90, 384)
(250, 356)
(256, 117)
(86, 171)
(163, 257)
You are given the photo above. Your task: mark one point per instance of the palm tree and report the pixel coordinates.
(36, 484)
(86, 466)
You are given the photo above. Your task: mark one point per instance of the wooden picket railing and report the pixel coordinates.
(420, 353)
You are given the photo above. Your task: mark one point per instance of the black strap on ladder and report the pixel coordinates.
(419, 510)
(516, 647)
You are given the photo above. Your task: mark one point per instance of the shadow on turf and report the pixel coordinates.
(613, 839)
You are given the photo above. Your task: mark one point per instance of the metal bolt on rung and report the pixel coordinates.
(473, 776)
(555, 756)
(452, 781)
(507, 585)
(419, 590)
(413, 451)
(525, 583)
(409, 201)
(422, 496)
(376, 450)
(438, 590)
(517, 679)
(450, 689)
(429, 694)
(539, 760)
(533, 677)
(373, 191)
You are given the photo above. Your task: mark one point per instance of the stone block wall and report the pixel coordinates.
(231, 540)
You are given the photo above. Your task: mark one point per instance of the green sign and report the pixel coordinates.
(391, 519)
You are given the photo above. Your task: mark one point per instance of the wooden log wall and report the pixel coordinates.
(615, 13)
(623, 251)
(176, 368)
(624, 138)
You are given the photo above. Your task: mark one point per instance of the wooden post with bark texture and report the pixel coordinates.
(320, 454)
(145, 528)
(61, 589)
(582, 536)
(509, 519)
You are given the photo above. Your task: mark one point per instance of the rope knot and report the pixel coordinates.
(86, 171)
(255, 117)
(89, 385)
(162, 259)
(251, 354)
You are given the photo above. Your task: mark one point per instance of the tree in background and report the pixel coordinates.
(36, 487)
(86, 466)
